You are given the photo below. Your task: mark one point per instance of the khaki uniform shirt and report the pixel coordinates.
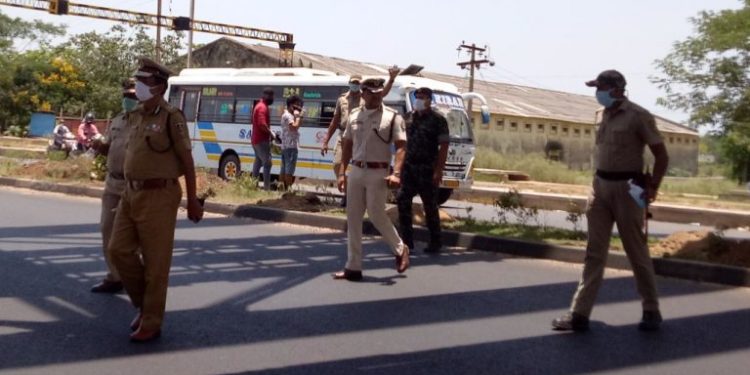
(150, 153)
(622, 137)
(117, 139)
(344, 107)
(371, 133)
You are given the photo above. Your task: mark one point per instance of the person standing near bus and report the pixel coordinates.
(346, 103)
(113, 146)
(290, 123)
(367, 140)
(157, 154)
(427, 142)
(261, 138)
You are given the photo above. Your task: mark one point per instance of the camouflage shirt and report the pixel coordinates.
(424, 134)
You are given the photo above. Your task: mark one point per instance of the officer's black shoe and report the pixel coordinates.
(651, 321)
(571, 322)
(107, 286)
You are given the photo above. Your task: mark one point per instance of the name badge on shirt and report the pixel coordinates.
(155, 128)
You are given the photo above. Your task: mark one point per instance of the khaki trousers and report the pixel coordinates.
(366, 189)
(611, 203)
(110, 201)
(146, 220)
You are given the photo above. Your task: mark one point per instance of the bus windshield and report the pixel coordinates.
(451, 106)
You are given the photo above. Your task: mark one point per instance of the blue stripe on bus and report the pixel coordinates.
(205, 125)
(212, 148)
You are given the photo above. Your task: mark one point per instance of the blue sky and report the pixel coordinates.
(552, 44)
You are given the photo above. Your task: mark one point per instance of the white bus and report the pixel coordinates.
(218, 105)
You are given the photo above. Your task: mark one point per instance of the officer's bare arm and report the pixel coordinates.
(392, 73)
(400, 152)
(332, 128)
(661, 163)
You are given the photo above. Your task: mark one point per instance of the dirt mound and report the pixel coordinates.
(308, 202)
(704, 246)
(417, 215)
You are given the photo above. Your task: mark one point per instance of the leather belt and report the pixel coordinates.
(151, 184)
(117, 176)
(618, 176)
(371, 164)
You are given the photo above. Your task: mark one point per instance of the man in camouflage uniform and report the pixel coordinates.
(158, 153)
(624, 131)
(427, 142)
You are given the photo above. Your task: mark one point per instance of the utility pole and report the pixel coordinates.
(472, 64)
(158, 32)
(190, 34)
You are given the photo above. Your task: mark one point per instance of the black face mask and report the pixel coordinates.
(268, 101)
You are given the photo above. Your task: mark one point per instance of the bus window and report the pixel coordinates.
(312, 113)
(189, 105)
(216, 109)
(326, 113)
(243, 110)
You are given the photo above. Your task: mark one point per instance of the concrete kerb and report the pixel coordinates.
(684, 269)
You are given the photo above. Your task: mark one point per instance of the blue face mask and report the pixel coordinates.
(128, 104)
(604, 97)
(354, 87)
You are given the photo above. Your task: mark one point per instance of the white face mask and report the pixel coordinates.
(143, 91)
(419, 105)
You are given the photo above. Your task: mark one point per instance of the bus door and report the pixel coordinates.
(189, 106)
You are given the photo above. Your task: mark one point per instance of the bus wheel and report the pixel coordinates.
(443, 195)
(229, 167)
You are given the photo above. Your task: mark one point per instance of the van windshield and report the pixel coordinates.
(452, 107)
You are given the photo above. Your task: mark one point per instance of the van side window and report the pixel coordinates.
(326, 113)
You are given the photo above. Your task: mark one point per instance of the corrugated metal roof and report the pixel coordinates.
(503, 98)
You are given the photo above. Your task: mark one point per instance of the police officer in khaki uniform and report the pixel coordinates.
(624, 131)
(113, 146)
(367, 140)
(158, 153)
(345, 104)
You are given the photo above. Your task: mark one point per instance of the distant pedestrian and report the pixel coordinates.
(261, 138)
(623, 132)
(113, 146)
(427, 141)
(367, 140)
(158, 153)
(291, 120)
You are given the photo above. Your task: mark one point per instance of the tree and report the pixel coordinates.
(104, 60)
(708, 75)
(13, 109)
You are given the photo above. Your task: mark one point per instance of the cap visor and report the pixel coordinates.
(379, 89)
(593, 83)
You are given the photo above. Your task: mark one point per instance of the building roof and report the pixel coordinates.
(502, 98)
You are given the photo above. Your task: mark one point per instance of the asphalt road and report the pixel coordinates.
(254, 297)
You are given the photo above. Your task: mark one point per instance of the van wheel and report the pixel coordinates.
(229, 167)
(443, 195)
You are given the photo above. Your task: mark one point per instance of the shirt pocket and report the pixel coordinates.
(157, 138)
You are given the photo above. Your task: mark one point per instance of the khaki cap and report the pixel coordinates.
(373, 84)
(150, 66)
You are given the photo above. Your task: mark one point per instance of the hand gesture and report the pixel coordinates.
(393, 71)
(342, 183)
